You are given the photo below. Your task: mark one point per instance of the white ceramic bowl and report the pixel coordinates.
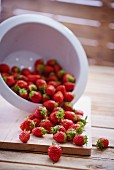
(24, 38)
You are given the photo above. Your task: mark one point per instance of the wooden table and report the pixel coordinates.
(100, 89)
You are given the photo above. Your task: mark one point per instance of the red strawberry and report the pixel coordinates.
(46, 124)
(36, 122)
(68, 78)
(40, 68)
(23, 93)
(33, 78)
(45, 97)
(38, 61)
(51, 62)
(52, 78)
(35, 96)
(15, 88)
(69, 96)
(61, 88)
(9, 80)
(21, 77)
(53, 83)
(66, 123)
(69, 86)
(32, 87)
(60, 137)
(41, 84)
(31, 116)
(40, 112)
(48, 69)
(50, 105)
(79, 129)
(56, 116)
(102, 143)
(4, 68)
(39, 131)
(27, 125)
(58, 109)
(70, 134)
(25, 71)
(22, 84)
(79, 112)
(60, 73)
(71, 116)
(50, 90)
(24, 136)
(54, 152)
(15, 69)
(58, 97)
(57, 68)
(80, 140)
(67, 106)
(57, 128)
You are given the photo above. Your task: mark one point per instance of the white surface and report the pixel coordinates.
(26, 36)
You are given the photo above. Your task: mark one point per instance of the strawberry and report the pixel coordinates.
(69, 96)
(32, 87)
(47, 124)
(66, 123)
(53, 83)
(35, 96)
(45, 97)
(60, 73)
(57, 68)
(22, 84)
(69, 86)
(50, 105)
(70, 134)
(33, 78)
(41, 84)
(4, 68)
(24, 136)
(80, 140)
(25, 71)
(57, 128)
(58, 109)
(79, 129)
(58, 97)
(70, 115)
(68, 78)
(102, 143)
(15, 69)
(23, 93)
(21, 77)
(67, 106)
(56, 116)
(36, 122)
(61, 88)
(52, 78)
(50, 90)
(38, 61)
(40, 112)
(51, 62)
(27, 125)
(15, 88)
(54, 152)
(40, 68)
(48, 69)
(31, 116)
(60, 137)
(39, 131)
(79, 112)
(9, 80)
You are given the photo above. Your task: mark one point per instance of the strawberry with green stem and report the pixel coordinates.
(39, 131)
(40, 112)
(57, 128)
(35, 96)
(60, 137)
(80, 140)
(102, 143)
(24, 136)
(54, 152)
(56, 116)
(50, 105)
(23, 93)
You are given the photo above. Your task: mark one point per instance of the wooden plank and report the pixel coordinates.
(64, 162)
(10, 140)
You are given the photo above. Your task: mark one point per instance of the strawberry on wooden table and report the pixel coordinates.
(47, 124)
(55, 152)
(56, 116)
(57, 128)
(102, 143)
(60, 137)
(70, 134)
(39, 131)
(40, 112)
(27, 125)
(66, 123)
(24, 136)
(80, 140)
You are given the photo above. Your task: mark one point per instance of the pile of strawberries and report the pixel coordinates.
(47, 81)
(50, 85)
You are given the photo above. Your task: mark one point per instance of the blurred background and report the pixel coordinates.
(92, 21)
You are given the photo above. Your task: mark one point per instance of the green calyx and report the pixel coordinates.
(85, 139)
(31, 94)
(16, 88)
(22, 91)
(100, 144)
(68, 104)
(44, 131)
(41, 68)
(55, 129)
(84, 121)
(43, 110)
(70, 134)
(60, 114)
(71, 79)
(79, 130)
(33, 87)
(62, 72)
